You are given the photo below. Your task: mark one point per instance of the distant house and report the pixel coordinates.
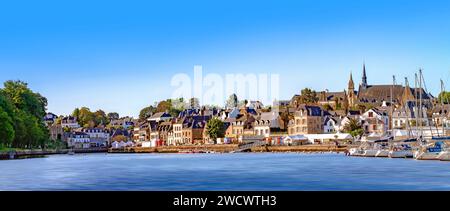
(375, 121)
(160, 116)
(242, 126)
(407, 115)
(141, 132)
(281, 103)
(307, 120)
(125, 122)
(177, 133)
(331, 124)
(266, 123)
(233, 113)
(69, 122)
(164, 130)
(262, 128)
(99, 137)
(78, 140)
(254, 105)
(193, 127)
(113, 132)
(50, 118)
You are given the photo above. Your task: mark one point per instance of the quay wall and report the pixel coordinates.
(24, 153)
(177, 149)
(301, 148)
(229, 148)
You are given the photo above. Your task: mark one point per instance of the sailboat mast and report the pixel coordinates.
(407, 113)
(416, 112)
(442, 108)
(420, 102)
(392, 105)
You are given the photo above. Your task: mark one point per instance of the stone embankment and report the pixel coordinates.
(27, 153)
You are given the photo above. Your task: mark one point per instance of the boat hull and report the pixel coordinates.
(444, 156)
(382, 153)
(426, 155)
(370, 153)
(401, 154)
(355, 152)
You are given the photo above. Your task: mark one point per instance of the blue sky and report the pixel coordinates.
(120, 55)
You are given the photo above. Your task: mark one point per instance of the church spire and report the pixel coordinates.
(351, 84)
(364, 77)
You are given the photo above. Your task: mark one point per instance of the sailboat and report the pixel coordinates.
(444, 155)
(429, 149)
(402, 148)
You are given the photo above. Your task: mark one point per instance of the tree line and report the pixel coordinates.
(21, 117)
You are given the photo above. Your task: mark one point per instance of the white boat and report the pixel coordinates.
(402, 149)
(355, 152)
(382, 153)
(429, 152)
(401, 153)
(444, 155)
(370, 152)
(420, 155)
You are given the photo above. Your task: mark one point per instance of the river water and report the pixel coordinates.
(238, 171)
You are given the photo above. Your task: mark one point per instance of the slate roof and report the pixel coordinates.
(311, 110)
(379, 93)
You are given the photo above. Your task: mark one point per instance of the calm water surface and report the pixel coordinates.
(239, 171)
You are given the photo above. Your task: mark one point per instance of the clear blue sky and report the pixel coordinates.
(121, 55)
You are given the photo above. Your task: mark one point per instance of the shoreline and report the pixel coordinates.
(229, 148)
(33, 153)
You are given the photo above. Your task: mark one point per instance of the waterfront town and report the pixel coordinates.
(369, 115)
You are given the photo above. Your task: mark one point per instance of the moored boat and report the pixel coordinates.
(382, 153)
(429, 152)
(370, 152)
(444, 155)
(401, 154)
(402, 149)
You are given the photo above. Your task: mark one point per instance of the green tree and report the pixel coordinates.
(354, 128)
(308, 96)
(444, 96)
(113, 115)
(24, 99)
(146, 112)
(100, 118)
(86, 117)
(76, 113)
(164, 106)
(215, 129)
(26, 109)
(6, 129)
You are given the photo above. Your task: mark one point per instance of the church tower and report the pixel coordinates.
(364, 77)
(407, 94)
(351, 97)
